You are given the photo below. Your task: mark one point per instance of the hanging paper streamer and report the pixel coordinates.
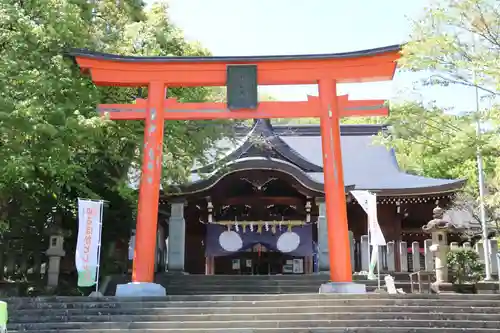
(251, 227)
(267, 226)
(236, 226)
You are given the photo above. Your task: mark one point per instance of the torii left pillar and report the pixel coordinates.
(149, 193)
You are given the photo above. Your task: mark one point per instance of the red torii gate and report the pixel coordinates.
(157, 73)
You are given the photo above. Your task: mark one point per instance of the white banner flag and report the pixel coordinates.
(362, 197)
(368, 201)
(88, 241)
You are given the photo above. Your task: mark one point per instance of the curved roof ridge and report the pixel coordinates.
(243, 145)
(266, 129)
(183, 59)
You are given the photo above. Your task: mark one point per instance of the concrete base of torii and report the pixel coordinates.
(342, 288)
(140, 289)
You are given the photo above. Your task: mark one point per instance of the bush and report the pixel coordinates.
(465, 266)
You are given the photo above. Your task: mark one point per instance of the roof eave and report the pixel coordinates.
(85, 53)
(444, 189)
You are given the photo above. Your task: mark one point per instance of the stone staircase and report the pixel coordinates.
(293, 313)
(241, 284)
(179, 284)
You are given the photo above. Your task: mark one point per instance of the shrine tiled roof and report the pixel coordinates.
(297, 151)
(367, 165)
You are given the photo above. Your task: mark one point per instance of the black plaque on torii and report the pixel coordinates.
(241, 83)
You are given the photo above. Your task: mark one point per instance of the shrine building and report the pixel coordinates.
(260, 208)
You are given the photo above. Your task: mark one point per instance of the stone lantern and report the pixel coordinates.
(439, 230)
(55, 252)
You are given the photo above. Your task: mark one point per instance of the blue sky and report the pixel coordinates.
(265, 27)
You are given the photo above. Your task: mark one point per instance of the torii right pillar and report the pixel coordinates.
(336, 210)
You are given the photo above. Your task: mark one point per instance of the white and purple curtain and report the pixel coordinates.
(222, 242)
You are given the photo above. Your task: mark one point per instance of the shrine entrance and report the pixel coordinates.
(257, 222)
(258, 260)
(241, 76)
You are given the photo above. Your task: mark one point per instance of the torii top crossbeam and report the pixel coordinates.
(349, 67)
(241, 75)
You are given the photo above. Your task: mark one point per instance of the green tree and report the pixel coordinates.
(54, 146)
(457, 43)
(454, 38)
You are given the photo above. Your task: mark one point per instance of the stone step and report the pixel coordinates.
(191, 318)
(248, 276)
(376, 313)
(253, 282)
(49, 314)
(255, 290)
(315, 296)
(252, 300)
(272, 323)
(373, 329)
(172, 280)
(267, 283)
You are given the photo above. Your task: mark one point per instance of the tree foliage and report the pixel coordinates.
(457, 43)
(54, 147)
(453, 39)
(465, 266)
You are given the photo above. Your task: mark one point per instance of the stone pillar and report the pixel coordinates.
(479, 247)
(365, 253)
(55, 252)
(403, 256)
(161, 248)
(352, 245)
(176, 237)
(441, 260)
(323, 256)
(382, 253)
(493, 255)
(391, 258)
(415, 253)
(428, 255)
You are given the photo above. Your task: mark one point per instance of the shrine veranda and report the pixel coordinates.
(278, 203)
